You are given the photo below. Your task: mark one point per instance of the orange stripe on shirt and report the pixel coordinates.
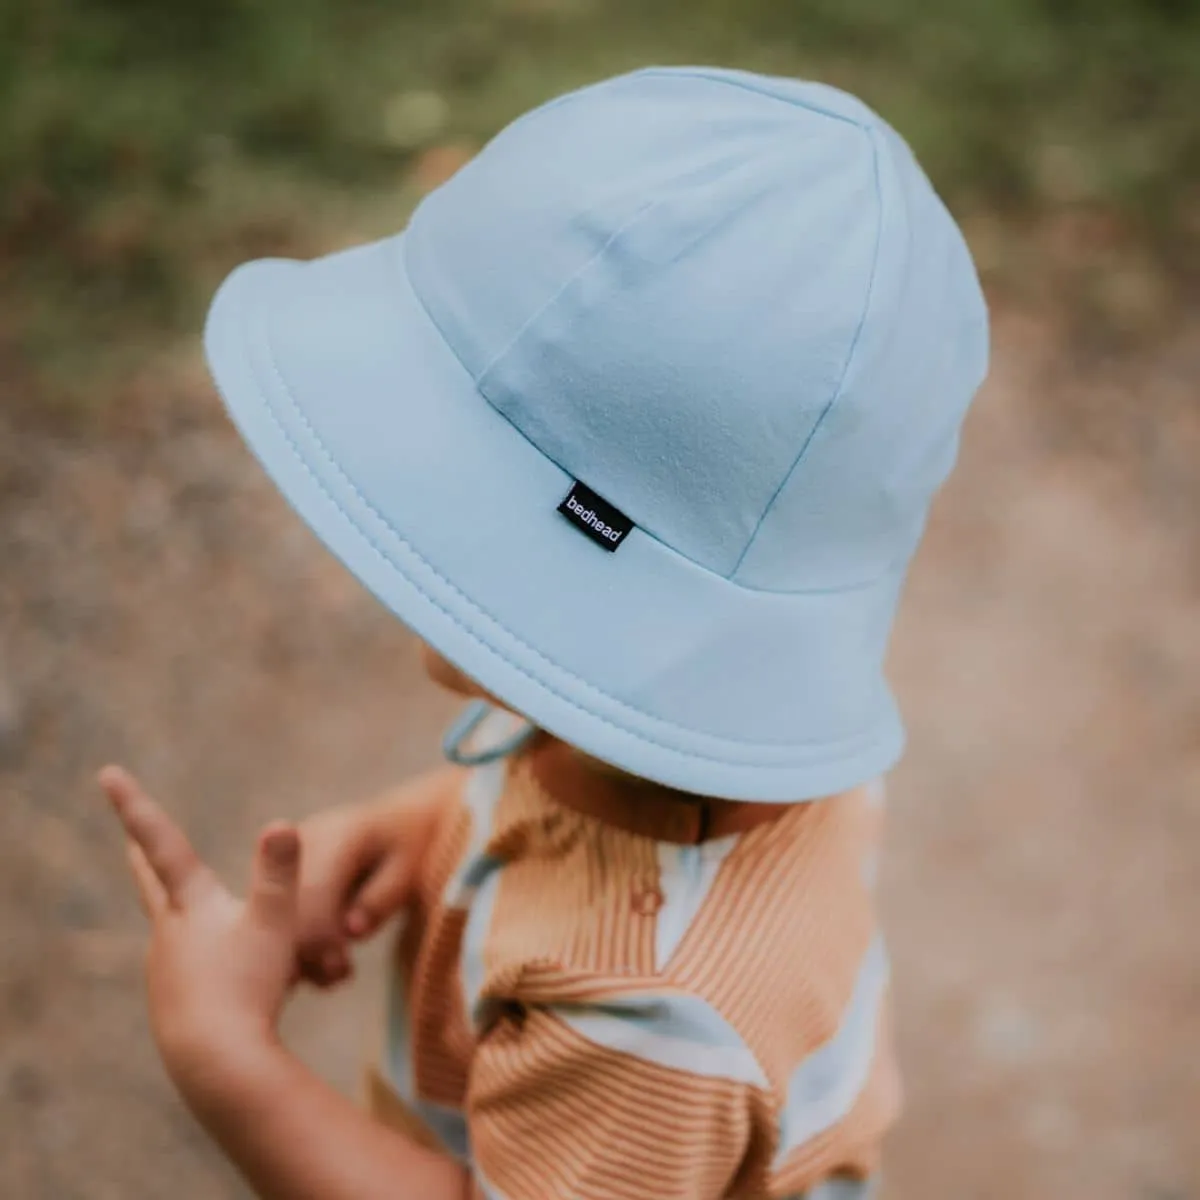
(547, 1107)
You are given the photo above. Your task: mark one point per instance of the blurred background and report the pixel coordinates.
(158, 603)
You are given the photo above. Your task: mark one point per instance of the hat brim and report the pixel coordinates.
(353, 402)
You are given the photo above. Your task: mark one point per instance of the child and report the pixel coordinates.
(636, 426)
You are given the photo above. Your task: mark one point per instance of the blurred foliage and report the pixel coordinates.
(146, 145)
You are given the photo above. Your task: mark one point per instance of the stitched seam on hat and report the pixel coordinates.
(567, 284)
(838, 748)
(836, 590)
(407, 281)
(854, 341)
(744, 86)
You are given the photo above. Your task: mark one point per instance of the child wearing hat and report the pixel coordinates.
(636, 426)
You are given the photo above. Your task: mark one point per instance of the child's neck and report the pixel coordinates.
(580, 775)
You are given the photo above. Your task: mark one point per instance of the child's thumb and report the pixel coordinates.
(382, 894)
(276, 878)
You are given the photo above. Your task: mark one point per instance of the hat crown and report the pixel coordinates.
(732, 306)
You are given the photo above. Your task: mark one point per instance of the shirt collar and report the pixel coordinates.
(636, 805)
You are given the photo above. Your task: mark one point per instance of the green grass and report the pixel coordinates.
(145, 147)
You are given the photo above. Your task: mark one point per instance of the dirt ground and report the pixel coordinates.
(159, 605)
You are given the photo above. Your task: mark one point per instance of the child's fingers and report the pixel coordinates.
(164, 845)
(327, 970)
(150, 891)
(336, 965)
(381, 895)
(276, 880)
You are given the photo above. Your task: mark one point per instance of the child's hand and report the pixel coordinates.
(356, 871)
(219, 968)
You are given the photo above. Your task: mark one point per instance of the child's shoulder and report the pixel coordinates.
(612, 877)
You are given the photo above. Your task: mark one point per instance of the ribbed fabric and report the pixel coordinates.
(597, 1002)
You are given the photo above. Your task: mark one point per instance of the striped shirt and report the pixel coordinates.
(595, 997)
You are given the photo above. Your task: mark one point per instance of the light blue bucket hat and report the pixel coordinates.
(638, 422)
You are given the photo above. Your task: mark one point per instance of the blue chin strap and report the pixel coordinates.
(454, 743)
